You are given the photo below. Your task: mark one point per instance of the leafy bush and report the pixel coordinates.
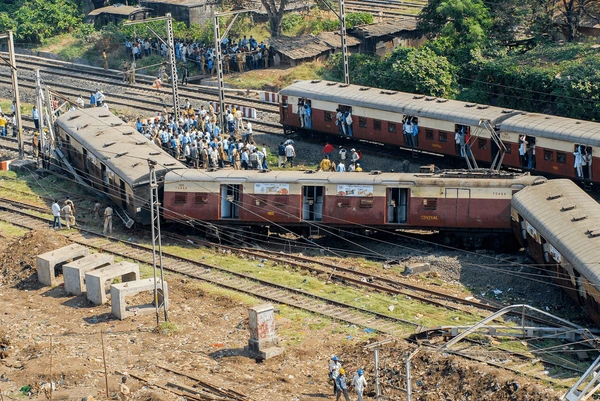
(355, 19)
(291, 21)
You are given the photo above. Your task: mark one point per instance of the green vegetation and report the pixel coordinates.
(36, 20)
(9, 230)
(294, 24)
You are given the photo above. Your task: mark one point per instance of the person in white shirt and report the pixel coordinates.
(359, 382)
(56, 214)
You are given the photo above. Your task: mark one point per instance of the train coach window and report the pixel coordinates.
(430, 203)
(328, 116)
(180, 199)
(482, 143)
(443, 137)
(377, 125)
(429, 134)
(200, 199)
(392, 128)
(508, 148)
(366, 203)
(561, 157)
(362, 122)
(548, 155)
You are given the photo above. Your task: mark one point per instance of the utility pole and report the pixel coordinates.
(40, 106)
(171, 48)
(156, 239)
(15, 84)
(218, 41)
(342, 17)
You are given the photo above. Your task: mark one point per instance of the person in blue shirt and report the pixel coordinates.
(92, 99)
(139, 126)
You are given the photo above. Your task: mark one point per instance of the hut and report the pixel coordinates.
(383, 37)
(115, 14)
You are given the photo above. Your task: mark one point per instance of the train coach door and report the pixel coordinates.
(397, 204)
(312, 203)
(230, 199)
(457, 206)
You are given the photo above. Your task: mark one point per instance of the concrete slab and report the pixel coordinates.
(118, 292)
(74, 272)
(47, 262)
(95, 280)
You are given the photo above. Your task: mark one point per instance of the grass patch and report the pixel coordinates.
(275, 79)
(168, 328)
(11, 230)
(25, 107)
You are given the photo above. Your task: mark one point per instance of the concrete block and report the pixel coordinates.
(416, 268)
(47, 262)
(74, 272)
(95, 281)
(263, 339)
(118, 292)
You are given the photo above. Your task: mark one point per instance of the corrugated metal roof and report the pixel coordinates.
(239, 176)
(300, 47)
(386, 28)
(334, 39)
(541, 207)
(118, 145)
(396, 102)
(184, 3)
(120, 10)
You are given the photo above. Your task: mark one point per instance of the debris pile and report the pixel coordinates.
(18, 262)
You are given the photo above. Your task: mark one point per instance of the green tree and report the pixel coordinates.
(577, 89)
(35, 20)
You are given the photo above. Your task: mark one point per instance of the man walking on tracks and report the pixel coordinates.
(108, 213)
(56, 214)
(359, 383)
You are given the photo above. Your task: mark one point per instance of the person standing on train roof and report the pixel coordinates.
(325, 164)
(343, 155)
(328, 150)
(80, 102)
(341, 167)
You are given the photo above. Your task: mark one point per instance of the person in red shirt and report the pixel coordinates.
(328, 150)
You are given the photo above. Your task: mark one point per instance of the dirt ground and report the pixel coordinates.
(47, 335)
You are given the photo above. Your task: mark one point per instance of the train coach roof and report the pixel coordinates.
(118, 145)
(548, 207)
(442, 180)
(396, 102)
(554, 127)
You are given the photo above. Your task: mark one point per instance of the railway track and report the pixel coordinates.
(15, 213)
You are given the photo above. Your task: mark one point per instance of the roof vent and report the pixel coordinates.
(470, 104)
(418, 96)
(547, 118)
(73, 117)
(388, 92)
(375, 172)
(554, 196)
(579, 218)
(107, 144)
(315, 81)
(365, 88)
(344, 85)
(483, 107)
(104, 115)
(430, 98)
(127, 133)
(135, 164)
(169, 164)
(140, 143)
(309, 171)
(328, 83)
(506, 111)
(115, 124)
(442, 100)
(82, 127)
(593, 233)
(154, 153)
(577, 122)
(121, 154)
(99, 133)
(567, 208)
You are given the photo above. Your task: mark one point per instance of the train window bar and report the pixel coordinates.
(107, 144)
(567, 208)
(580, 217)
(121, 154)
(554, 196)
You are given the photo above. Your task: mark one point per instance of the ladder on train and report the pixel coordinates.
(495, 136)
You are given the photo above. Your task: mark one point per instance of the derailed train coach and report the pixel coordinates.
(467, 208)
(113, 157)
(560, 225)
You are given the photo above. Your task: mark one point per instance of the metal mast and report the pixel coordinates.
(171, 48)
(344, 44)
(40, 106)
(218, 41)
(15, 84)
(156, 238)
